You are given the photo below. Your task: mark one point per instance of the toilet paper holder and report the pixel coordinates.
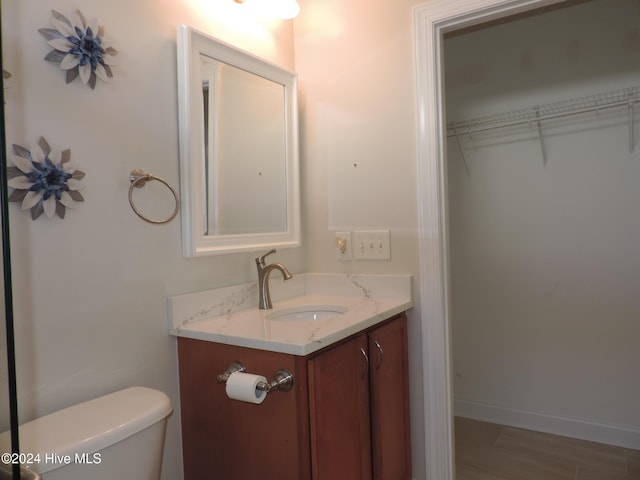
(282, 378)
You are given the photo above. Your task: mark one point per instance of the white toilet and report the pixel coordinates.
(120, 435)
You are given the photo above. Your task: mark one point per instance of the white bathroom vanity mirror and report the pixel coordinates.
(238, 149)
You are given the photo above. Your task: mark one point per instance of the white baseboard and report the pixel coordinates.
(627, 437)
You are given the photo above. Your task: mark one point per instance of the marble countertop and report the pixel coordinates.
(230, 315)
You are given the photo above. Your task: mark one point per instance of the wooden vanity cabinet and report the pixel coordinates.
(231, 440)
(347, 416)
(359, 398)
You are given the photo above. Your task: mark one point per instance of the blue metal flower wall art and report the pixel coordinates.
(80, 47)
(44, 181)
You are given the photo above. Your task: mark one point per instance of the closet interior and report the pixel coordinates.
(543, 192)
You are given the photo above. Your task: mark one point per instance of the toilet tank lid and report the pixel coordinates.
(96, 424)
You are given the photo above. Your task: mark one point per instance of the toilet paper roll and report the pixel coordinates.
(242, 386)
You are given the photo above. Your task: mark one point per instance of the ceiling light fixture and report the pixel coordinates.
(284, 9)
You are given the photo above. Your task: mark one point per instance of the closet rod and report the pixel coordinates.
(475, 125)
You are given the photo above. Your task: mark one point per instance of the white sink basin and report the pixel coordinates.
(304, 313)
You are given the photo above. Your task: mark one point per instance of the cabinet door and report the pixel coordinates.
(390, 401)
(339, 412)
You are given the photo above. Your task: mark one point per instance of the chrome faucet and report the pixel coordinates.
(264, 302)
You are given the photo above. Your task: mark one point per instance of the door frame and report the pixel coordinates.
(431, 21)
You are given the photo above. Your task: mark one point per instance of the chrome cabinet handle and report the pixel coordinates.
(366, 362)
(381, 357)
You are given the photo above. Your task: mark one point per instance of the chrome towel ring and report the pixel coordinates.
(138, 179)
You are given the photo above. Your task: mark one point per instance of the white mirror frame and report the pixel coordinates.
(195, 241)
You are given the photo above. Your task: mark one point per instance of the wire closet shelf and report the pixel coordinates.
(535, 115)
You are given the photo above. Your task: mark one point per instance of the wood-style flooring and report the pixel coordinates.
(486, 451)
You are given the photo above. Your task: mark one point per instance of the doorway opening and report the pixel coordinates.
(432, 23)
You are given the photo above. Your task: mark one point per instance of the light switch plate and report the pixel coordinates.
(371, 245)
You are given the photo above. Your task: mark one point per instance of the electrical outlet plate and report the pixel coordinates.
(343, 245)
(371, 245)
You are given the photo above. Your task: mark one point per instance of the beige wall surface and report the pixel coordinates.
(90, 291)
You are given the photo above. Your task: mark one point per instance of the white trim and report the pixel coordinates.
(431, 20)
(195, 240)
(558, 425)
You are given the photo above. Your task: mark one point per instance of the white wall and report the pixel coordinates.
(357, 99)
(545, 258)
(90, 290)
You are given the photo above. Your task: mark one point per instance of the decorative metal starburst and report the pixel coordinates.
(80, 47)
(44, 181)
